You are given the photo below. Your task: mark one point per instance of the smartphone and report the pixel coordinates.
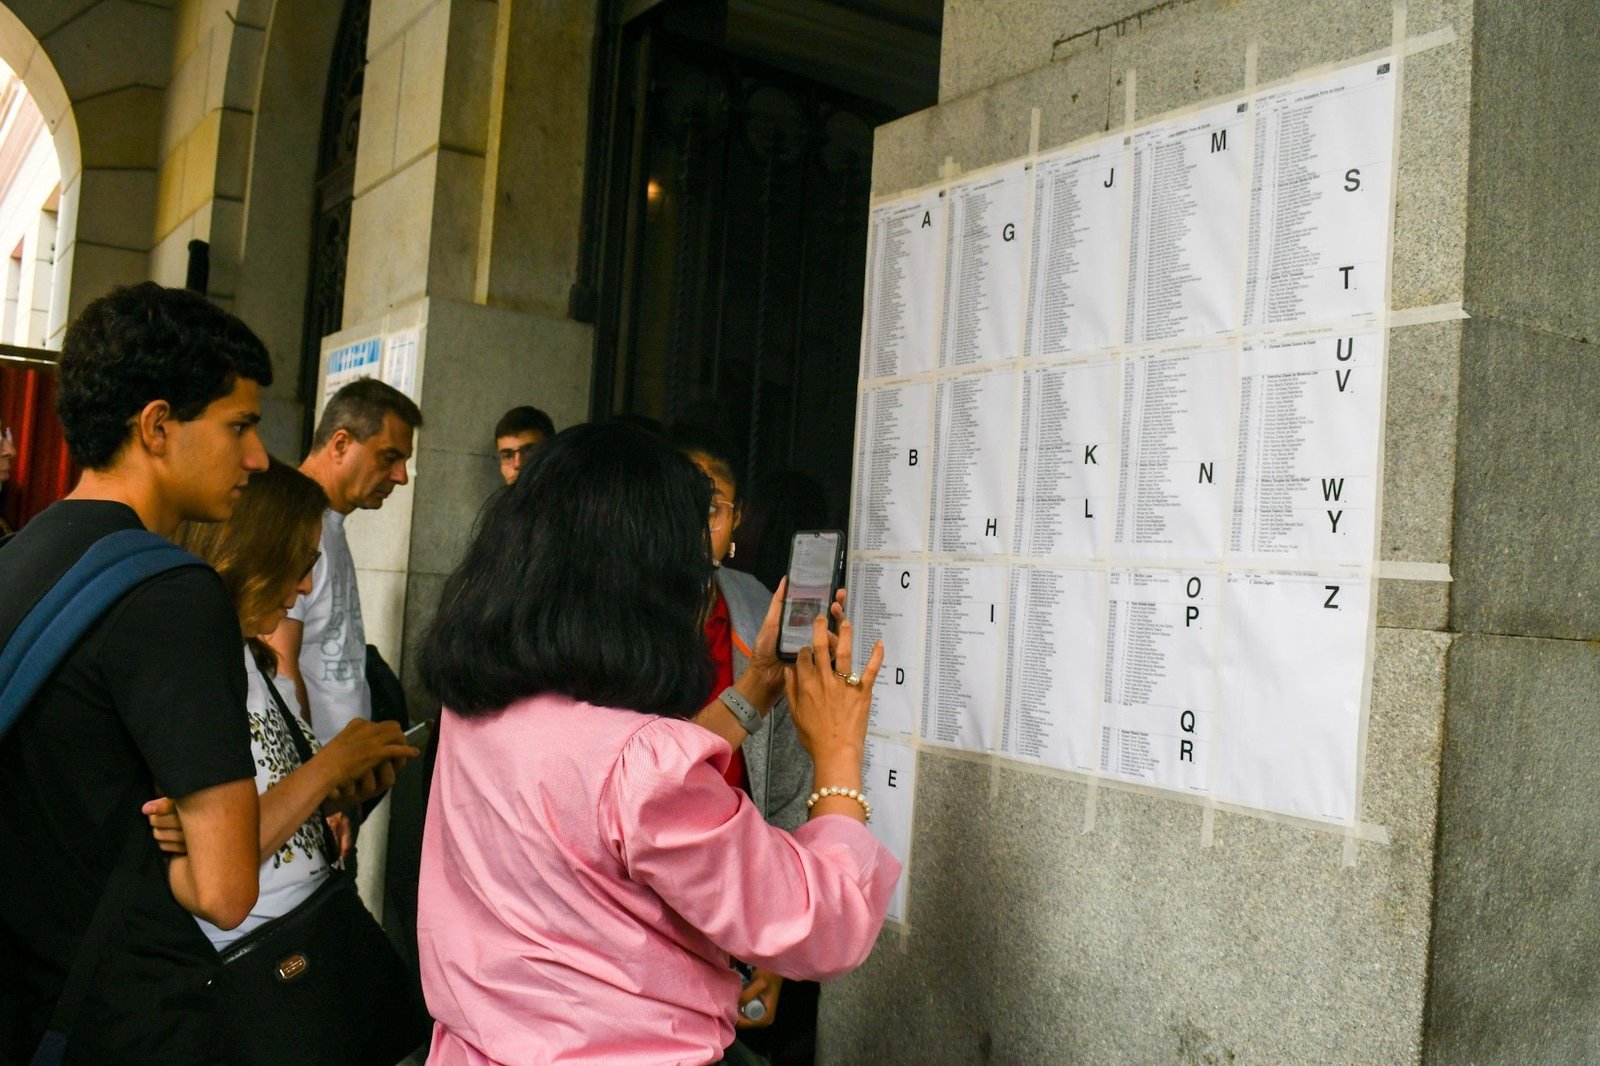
(417, 735)
(816, 570)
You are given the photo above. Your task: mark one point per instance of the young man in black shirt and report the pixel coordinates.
(159, 398)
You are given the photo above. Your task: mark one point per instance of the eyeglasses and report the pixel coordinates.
(721, 513)
(508, 454)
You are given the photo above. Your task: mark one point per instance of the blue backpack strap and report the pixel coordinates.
(114, 566)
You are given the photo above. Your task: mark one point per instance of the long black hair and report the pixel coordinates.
(585, 578)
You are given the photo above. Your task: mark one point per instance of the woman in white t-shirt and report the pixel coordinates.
(264, 554)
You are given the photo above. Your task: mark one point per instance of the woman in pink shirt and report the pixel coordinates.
(586, 870)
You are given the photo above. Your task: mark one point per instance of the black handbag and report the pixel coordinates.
(322, 984)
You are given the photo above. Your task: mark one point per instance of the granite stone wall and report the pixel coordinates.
(1034, 940)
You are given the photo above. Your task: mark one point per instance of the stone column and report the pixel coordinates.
(468, 192)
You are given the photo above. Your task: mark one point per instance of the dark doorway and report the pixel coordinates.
(336, 171)
(727, 213)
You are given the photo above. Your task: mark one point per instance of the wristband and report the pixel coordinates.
(750, 719)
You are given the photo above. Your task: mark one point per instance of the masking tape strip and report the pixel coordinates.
(1421, 316)
(1402, 571)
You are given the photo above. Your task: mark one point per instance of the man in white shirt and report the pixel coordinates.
(358, 456)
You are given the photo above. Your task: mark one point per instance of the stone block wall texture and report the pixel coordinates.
(1470, 935)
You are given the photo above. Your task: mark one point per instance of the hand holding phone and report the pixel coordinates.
(816, 570)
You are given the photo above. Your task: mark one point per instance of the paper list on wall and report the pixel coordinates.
(973, 444)
(1066, 461)
(1307, 472)
(1158, 720)
(400, 360)
(1052, 680)
(1187, 224)
(1079, 231)
(893, 462)
(1174, 455)
(900, 330)
(964, 656)
(1289, 647)
(1320, 178)
(985, 259)
(889, 778)
(886, 602)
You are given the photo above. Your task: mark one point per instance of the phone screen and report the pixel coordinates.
(813, 570)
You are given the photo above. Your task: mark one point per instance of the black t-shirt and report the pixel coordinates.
(153, 696)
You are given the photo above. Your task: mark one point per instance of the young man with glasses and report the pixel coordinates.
(519, 431)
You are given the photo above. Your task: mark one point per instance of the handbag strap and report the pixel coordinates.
(330, 847)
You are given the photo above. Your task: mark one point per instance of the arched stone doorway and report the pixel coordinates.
(22, 52)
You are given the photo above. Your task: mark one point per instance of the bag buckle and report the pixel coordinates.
(292, 967)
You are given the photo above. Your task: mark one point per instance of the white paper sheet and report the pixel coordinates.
(894, 463)
(1053, 680)
(1079, 249)
(1067, 461)
(1159, 717)
(1319, 211)
(905, 263)
(966, 613)
(1310, 412)
(889, 778)
(986, 254)
(1175, 455)
(1291, 656)
(974, 443)
(886, 602)
(1188, 226)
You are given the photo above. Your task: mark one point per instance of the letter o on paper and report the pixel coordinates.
(1193, 587)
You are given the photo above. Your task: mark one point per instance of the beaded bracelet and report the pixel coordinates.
(848, 793)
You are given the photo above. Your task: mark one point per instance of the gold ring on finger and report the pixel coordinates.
(849, 679)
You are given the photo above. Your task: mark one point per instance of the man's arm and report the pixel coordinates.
(285, 643)
(219, 877)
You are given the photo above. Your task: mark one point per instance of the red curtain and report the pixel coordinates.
(43, 472)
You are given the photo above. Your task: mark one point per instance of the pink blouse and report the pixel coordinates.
(586, 873)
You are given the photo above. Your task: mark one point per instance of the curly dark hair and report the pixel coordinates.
(585, 578)
(142, 343)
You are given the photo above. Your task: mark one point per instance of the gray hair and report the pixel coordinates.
(358, 409)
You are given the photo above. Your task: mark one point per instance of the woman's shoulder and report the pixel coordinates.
(672, 742)
(561, 729)
(737, 581)
(747, 599)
